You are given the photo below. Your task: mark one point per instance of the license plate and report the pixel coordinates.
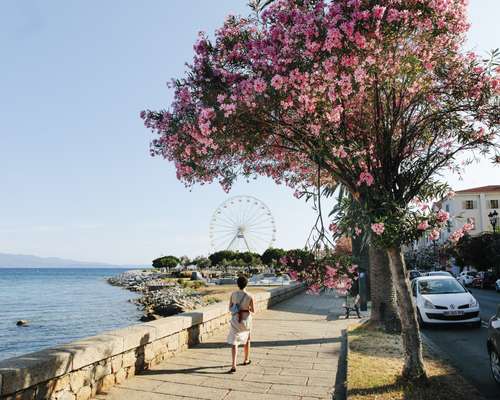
(455, 312)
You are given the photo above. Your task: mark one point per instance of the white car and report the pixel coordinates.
(269, 280)
(438, 273)
(443, 300)
(466, 277)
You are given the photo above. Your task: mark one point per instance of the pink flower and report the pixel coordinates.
(457, 235)
(378, 12)
(259, 85)
(293, 274)
(314, 289)
(468, 227)
(357, 231)
(442, 216)
(434, 235)
(378, 228)
(333, 228)
(423, 225)
(365, 177)
(277, 82)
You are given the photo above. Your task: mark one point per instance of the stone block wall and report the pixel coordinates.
(80, 370)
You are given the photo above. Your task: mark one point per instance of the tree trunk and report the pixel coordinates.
(384, 309)
(414, 363)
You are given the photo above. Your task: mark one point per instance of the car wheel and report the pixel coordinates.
(421, 322)
(495, 365)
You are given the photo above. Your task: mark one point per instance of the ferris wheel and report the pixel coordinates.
(242, 223)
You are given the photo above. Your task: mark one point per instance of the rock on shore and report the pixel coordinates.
(159, 297)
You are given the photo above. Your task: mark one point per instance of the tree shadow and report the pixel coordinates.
(274, 343)
(190, 370)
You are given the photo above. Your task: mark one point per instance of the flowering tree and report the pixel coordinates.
(376, 95)
(330, 271)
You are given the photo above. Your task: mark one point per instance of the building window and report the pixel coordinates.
(493, 203)
(469, 204)
(447, 208)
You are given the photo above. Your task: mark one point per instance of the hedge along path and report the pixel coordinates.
(295, 354)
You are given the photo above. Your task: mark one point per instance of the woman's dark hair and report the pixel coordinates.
(242, 282)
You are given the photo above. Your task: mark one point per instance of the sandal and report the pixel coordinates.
(232, 371)
(247, 362)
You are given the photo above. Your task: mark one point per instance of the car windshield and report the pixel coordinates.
(472, 273)
(439, 273)
(440, 286)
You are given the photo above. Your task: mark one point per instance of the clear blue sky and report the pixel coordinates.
(76, 179)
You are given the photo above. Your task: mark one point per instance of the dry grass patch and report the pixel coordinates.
(375, 362)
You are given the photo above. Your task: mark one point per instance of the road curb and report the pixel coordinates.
(340, 390)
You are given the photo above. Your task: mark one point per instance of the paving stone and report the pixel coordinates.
(119, 393)
(141, 383)
(316, 381)
(251, 387)
(307, 372)
(198, 392)
(180, 377)
(237, 395)
(280, 379)
(294, 390)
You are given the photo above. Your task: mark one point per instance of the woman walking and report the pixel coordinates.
(241, 307)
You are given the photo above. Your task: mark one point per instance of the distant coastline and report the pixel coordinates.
(31, 261)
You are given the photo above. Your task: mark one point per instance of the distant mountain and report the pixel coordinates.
(21, 260)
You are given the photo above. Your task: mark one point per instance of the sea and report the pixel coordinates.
(61, 305)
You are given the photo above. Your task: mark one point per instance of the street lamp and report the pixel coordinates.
(493, 220)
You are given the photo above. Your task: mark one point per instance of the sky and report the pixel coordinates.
(76, 178)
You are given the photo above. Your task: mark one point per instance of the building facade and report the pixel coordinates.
(470, 204)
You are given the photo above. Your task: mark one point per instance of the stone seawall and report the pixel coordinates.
(80, 370)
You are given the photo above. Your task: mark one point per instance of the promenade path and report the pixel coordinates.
(295, 351)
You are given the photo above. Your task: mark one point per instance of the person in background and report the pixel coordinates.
(241, 307)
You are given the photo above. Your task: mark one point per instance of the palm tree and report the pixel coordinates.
(370, 259)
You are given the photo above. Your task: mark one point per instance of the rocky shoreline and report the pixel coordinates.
(161, 296)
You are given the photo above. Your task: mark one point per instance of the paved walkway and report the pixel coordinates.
(296, 346)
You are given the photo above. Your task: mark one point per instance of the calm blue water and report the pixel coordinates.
(62, 304)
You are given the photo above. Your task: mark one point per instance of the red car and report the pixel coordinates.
(484, 280)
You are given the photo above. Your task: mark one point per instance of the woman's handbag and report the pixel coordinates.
(235, 308)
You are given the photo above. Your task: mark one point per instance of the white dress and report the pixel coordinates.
(239, 332)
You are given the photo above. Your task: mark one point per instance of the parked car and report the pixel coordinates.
(439, 273)
(269, 279)
(493, 345)
(497, 285)
(466, 277)
(412, 274)
(443, 300)
(484, 280)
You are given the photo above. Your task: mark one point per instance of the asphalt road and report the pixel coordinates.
(466, 347)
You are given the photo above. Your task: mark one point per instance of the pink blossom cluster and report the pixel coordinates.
(459, 233)
(279, 94)
(378, 228)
